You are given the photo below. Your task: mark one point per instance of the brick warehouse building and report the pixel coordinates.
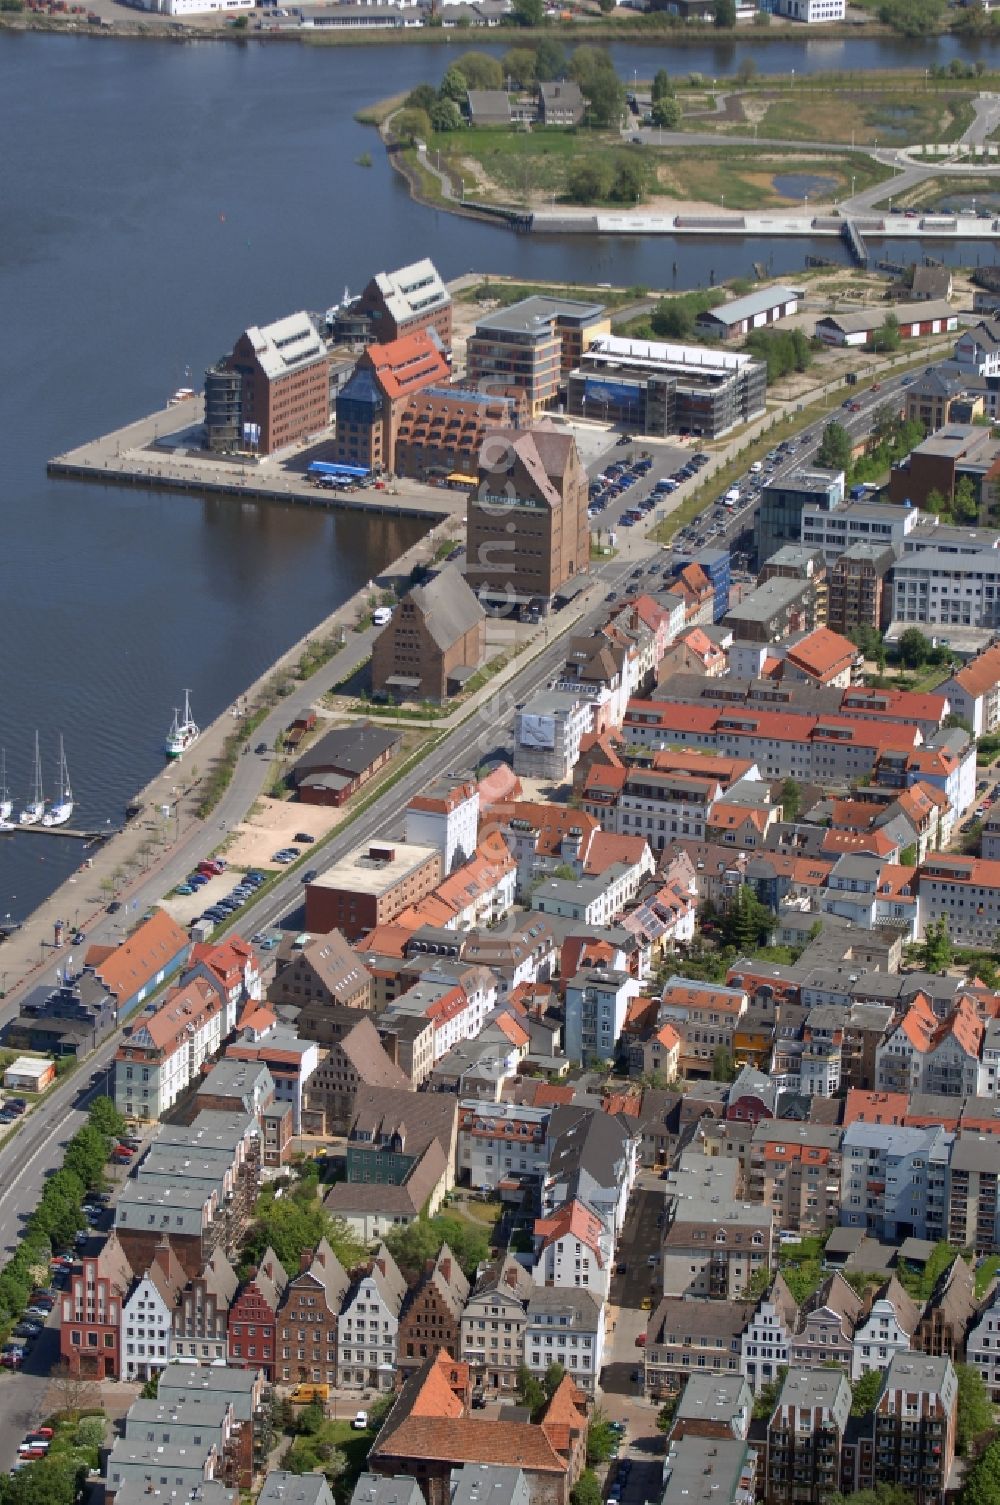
(277, 379)
(370, 405)
(402, 302)
(528, 531)
(370, 886)
(341, 762)
(442, 429)
(435, 640)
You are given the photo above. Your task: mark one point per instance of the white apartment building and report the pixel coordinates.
(574, 1249)
(596, 1004)
(565, 1327)
(965, 893)
(500, 1140)
(445, 817)
(369, 1326)
(934, 588)
(988, 1075)
(814, 12)
(548, 730)
(836, 529)
(978, 349)
(166, 1049)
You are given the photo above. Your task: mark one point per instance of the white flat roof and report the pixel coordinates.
(365, 875)
(659, 353)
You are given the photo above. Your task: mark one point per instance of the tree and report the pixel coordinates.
(454, 85)
(913, 648)
(835, 447)
(606, 97)
(747, 923)
(105, 1118)
(867, 639)
(912, 18)
(662, 87)
(965, 507)
(310, 1419)
(937, 955)
(550, 59)
(725, 14)
(520, 66)
(887, 338)
(975, 1410)
(553, 1378)
(529, 1390)
(865, 1392)
(882, 1494)
(791, 799)
(528, 12)
(481, 71)
(420, 98)
(628, 186)
(445, 115)
(413, 1246)
(412, 125)
(601, 1438)
(935, 502)
(586, 1490)
(588, 183)
(723, 1065)
(666, 112)
(667, 1412)
(746, 71)
(982, 1481)
(908, 856)
(767, 1396)
(673, 318)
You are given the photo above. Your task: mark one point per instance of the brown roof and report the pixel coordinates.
(220, 1278)
(421, 1117)
(326, 1271)
(337, 966)
(705, 1319)
(364, 1050)
(448, 1278)
(185, 1009)
(982, 673)
(134, 964)
(404, 1201)
(907, 1310)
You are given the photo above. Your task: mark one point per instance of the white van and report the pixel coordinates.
(382, 615)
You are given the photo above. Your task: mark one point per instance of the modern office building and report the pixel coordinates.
(650, 387)
(784, 502)
(405, 301)
(532, 345)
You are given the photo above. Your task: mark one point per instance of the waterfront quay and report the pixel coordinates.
(163, 452)
(928, 226)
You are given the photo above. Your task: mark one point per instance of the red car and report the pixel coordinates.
(640, 1341)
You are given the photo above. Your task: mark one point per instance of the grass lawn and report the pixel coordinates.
(479, 1214)
(906, 116)
(746, 180)
(505, 293)
(305, 1455)
(511, 166)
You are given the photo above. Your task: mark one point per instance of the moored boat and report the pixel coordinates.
(184, 732)
(35, 808)
(61, 808)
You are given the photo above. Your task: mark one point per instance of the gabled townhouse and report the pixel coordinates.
(90, 1312)
(948, 1314)
(232, 968)
(898, 1060)
(253, 1317)
(565, 1326)
(400, 1160)
(308, 1316)
(163, 1051)
(691, 1338)
(983, 1346)
(925, 1054)
(147, 1317)
(432, 1315)
(827, 1321)
(134, 969)
(887, 1328)
(493, 1327)
(358, 1058)
(766, 1340)
(317, 977)
(574, 1249)
(974, 692)
(369, 1326)
(805, 1434)
(201, 1316)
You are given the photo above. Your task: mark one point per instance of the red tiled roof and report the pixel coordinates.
(823, 655)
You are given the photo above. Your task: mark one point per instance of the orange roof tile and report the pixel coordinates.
(575, 1221)
(606, 849)
(407, 364)
(134, 964)
(823, 655)
(874, 1107)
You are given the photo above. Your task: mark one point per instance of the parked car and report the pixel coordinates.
(310, 875)
(304, 836)
(114, 906)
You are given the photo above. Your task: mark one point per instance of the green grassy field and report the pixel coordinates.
(903, 116)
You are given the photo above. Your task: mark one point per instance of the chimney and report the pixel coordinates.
(446, 1269)
(305, 1260)
(379, 1264)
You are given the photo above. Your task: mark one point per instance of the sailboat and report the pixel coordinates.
(6, 803)
(35, 808)
(61, 808)
(183, 733)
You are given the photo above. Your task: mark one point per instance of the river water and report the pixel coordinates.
(157, 198)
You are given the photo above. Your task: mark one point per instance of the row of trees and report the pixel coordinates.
(58, 1216)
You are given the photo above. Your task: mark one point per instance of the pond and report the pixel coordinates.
(796, 185)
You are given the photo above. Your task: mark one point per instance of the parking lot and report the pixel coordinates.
(623, 484)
